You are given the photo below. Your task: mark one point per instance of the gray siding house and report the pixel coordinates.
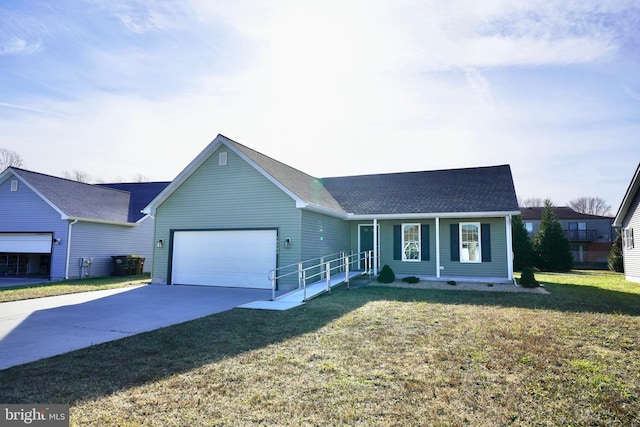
(590, 236)
(56, 228)
(628, 221)
(233, 214)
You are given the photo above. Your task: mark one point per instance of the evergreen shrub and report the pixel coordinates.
(528, 279)
(386, 275)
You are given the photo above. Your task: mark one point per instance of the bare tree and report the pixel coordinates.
(77, 175)
(9, 158)
(590, 205)
(531, 202)
(140, 178)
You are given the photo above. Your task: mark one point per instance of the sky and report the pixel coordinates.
(126, 88)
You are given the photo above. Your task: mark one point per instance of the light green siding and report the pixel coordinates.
(498, 265)
(497, 268)
(421, 268)
(237, 196)
(323, 235)
(234, 196)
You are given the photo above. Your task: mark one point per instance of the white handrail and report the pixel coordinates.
(341, 261)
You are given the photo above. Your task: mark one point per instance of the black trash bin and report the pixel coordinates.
(127, 265)
(120, 265)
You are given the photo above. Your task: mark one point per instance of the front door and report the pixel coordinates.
(366, 243)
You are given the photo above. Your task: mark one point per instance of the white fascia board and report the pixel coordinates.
(100, 221)
(497, 214)
(144, 218)
(324, 211)
(17, 175)
(203, 157)
(182, 176)
(299, 202)
(632, 190)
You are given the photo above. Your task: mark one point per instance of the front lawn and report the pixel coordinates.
(369, 356)
(48, 289)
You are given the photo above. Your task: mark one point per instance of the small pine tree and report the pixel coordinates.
(386, 275)
(615, 260)
(552, 250)
(528, 279)
(522, 249)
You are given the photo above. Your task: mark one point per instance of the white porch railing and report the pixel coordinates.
(319, 269)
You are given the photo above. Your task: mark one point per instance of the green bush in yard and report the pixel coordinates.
(528, 279)
(386, 275)
(552, 250)
(615, 256)
(411, 279)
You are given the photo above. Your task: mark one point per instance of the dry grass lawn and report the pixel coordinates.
(48, 289)
(369, 356)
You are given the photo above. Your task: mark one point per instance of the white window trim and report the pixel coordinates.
(404, 259)
(222, 158)
(462, 260)
(14, 185)
(627, 238)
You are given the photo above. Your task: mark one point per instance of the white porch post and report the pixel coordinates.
(507, 221)
(375, 247)
(438, 247)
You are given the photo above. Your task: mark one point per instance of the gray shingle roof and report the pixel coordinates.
(481, 189)
(141, 194)
(562, 212)
(80, 200)
(306, 187)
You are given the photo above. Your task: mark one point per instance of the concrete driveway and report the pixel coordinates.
(35, 329)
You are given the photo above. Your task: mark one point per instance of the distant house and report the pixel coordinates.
(628, 221)
(56, 228)
(591, 236)
(233, 214)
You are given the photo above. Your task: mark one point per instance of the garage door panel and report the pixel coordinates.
(34, 243)
(224, 258)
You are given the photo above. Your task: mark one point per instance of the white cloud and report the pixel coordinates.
(334, 88)
(142, 16)
(18, 46)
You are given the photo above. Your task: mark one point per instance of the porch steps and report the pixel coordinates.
(296, 298)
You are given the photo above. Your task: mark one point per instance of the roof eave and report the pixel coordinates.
(11, 171)
(201, 159)
(322, 210)
(429, 215)
(632, 190)
(101, 221)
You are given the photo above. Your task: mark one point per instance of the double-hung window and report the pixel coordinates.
(470, 250)
(627, 238)
(411, 242)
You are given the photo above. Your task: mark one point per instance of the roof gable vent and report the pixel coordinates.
(14, 185)
(222, 158)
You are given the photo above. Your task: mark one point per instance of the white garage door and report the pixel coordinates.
(27, 243)
(224, 258)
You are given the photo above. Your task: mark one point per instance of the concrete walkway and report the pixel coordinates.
(35, 329)
(299, 296)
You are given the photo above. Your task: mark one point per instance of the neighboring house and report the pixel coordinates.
(590, 236)
(628, 220)
(56, 228)
(233, 214)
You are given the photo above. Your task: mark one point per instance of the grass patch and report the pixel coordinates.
(48, 289)
(368, 356)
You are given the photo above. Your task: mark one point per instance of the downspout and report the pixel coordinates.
(507, 221)
(437, 247)
(375, 247)
(66, 267)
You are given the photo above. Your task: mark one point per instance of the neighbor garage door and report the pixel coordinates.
(235, 258)
(30, 243)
